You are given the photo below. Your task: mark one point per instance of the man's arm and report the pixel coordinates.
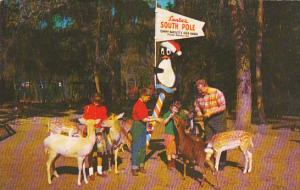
(197, 109)
(221, 102)
(221, 105)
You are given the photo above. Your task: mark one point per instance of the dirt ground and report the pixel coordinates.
(276, 163)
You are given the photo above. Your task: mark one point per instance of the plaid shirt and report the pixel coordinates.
(213, 102)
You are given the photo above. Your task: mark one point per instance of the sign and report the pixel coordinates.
(172, 26)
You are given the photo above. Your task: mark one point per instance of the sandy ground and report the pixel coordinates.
(276, 158)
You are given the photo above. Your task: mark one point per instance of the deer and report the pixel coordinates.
(69, 146)
(192, 150)
(60, 128)
(230, 140)
(118, 136)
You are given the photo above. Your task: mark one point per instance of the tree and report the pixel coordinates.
(243, 78)
(97, 48)
(2, 16)
(259, 84)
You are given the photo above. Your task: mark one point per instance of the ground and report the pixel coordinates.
(276, 157)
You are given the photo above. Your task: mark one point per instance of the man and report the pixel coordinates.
(96, 111)
(211, 106)
(139, 132)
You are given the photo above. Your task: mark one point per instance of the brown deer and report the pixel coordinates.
(191, 149)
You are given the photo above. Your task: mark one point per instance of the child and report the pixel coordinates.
(169, 134)
(96, 111)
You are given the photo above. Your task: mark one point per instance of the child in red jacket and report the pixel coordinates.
(96, 111)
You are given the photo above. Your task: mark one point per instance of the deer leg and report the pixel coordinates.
(184, 169)
(53, 167)
(209, 162)
(116, 160)
(203, 177)
(109, 161)
(250, 161)
(217, 157)
(80, 161)
(51, 157)
(122, 147)
(109, 164)
(246, 162)
(84, 172)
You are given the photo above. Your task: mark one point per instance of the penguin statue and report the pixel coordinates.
(164, 71)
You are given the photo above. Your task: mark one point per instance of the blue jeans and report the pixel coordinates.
(138, 153)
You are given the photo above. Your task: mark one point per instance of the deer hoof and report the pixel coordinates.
(202, 183)
(55, 174)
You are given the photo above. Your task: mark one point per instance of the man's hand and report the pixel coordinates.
(207, 114)
(199, 118)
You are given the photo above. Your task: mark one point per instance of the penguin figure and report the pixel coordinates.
(166, 78)
(164, 71)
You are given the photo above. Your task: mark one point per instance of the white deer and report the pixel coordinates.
(76, 147)
(118, 136)
(231, 140)
(59, 128)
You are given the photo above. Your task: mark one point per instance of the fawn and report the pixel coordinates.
(231, 140)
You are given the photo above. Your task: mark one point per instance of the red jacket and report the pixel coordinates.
(93, 111)
(139, 111)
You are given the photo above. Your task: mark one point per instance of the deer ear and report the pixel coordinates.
(82, 120)
(120, 115)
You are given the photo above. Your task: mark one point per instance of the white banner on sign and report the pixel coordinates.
(172, 26)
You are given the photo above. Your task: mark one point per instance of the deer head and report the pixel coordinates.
(112, 120)
(179, 122)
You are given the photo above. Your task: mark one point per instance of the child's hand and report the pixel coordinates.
(159, 120)
(152, 119)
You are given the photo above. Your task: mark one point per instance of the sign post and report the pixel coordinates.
(171, 26)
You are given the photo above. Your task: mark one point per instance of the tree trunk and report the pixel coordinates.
(95, 68)
(97, 51)
(244, 101)
(1, 37)
(259, 84)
